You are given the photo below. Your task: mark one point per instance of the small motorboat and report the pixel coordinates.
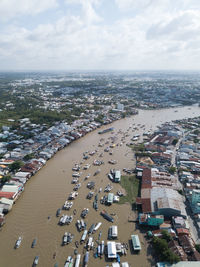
(36, 260)
(77, 244)
(34, 243)
(54, 255)
(18, 242)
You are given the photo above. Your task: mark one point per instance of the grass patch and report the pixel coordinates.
(131, 185)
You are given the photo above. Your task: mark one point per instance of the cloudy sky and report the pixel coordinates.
(99, 34)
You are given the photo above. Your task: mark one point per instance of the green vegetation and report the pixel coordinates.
(131, 185)
(5, 179)
(138, 147)
(16, 165)
(180, 191)
(166, 235)
(161, 247)
(29, 156)
(174, 142)
(197, 246)
(99, 118)
(172, 170)
(196, 132)
(142, 154)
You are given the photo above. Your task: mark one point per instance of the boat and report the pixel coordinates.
(99, 250)
(76, 244)
(18, 242)
(97, 226)
(69, 238)
(36, 260)
(86, 258)
(100, 234)
(76, 188)
(69, 262)
(67, 205)
(34, 243)
(83, 236)
(58, 212)
(74, 211)
(107, 216)
(78, 259)
(95, 205)
(102, 248)
(91, 229)
(90, 195)
(118, 258)
(84, 212)
(65, 238)
(97, 172)
(76, 174)
(106, 130)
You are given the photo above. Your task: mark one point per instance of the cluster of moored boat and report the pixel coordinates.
(65, 219)
(67, 238)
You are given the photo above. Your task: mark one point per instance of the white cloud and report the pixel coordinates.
(13, 8)
(164, 34)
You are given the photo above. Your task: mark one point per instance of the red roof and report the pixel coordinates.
(146, 178)
(9, 195)
(182, 231)
(146, 205)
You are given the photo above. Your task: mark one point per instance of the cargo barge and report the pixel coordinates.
(106, 131)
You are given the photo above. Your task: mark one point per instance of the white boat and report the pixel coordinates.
(69, 262)
(65, 239)
(76, 174)
(68, 205)
(36, 260)
(97, 226)
(73, 195)
(18, 242)
(78, 259)
(89, 243)
(102, 248)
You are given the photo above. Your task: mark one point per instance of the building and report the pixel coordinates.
(167, 202)
(150, 220)
(195, 200)
(120, 107)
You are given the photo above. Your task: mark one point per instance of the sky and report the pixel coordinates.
(99, 35)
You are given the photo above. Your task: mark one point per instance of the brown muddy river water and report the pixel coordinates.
(50, 187)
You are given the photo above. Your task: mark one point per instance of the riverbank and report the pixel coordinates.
(49, 188)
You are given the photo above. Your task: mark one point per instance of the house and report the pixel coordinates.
(150, 220)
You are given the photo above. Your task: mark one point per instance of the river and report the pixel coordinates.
(50, 187)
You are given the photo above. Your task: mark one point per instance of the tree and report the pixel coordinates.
(16, 165)
(166, 235)
(5, 179)
(197, 246)
(29, 156)
(172, 169)
(174, 142)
